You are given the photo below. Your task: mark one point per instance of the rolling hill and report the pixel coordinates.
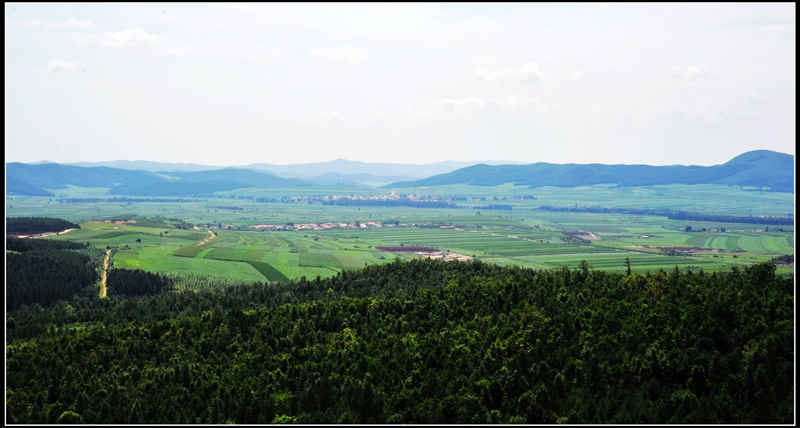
(760, 168)
(34, 180)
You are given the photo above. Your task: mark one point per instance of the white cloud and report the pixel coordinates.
(514, 103)
(321, 118)
(578, 75)
(346, 54)
(57, 65)
(136, 37)
(528, 72)
(689, 72)
(462, 107)
(239, 6)
(68, 24)
(428, 111)
(421, 116)
(377, 117)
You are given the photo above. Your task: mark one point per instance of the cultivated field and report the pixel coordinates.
(521, 236)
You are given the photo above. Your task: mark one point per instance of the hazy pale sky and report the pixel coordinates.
(235, 84)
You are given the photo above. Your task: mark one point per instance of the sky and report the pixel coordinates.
(284, 83)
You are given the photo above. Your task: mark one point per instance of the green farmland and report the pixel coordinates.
(522, 235)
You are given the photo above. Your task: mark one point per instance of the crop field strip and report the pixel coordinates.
(269, 271)
(322, 253)
(191, 251)
(234, 254)
(486, 235)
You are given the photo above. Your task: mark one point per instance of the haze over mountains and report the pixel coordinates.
(760, 168)
(385, 172)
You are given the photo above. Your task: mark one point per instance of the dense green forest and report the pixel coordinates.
(37, 225)
(415, 342)
(43, 271)
(126, 282)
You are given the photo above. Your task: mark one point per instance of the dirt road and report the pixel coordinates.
(105, 275)
(208, 239)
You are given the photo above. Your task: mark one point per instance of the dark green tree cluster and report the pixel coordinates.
(425, 342)
(126, 282)
(37, 225)
(493, 207)
(26, 244)
(690, 216)
(388, 203)
(125, 200)
(672, 214)
(46, 275)
(784, 259)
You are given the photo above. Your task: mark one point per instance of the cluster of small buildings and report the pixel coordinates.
(446, 256)
(325, 226)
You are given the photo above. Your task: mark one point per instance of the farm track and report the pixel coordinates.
(103, 290)
(203, 242)
(43, 235)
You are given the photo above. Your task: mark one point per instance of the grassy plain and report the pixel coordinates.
(522, 236)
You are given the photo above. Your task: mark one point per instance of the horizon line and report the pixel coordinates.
(499, 162)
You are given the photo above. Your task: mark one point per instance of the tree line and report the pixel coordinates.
(26, 244)
(672, 214)
(389, 203)
(124, 199)
(38, 225)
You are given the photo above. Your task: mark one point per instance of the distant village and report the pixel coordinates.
(326, 226)
(393, 197)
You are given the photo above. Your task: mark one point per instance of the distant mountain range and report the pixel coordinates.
(760, 168)
(332, 172)
(339, 171)
(26, 179)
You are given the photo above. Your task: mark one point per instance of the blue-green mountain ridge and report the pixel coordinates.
(763, 169)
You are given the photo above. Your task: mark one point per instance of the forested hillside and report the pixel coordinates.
(417, 342)
(25, 179)
(759, 168)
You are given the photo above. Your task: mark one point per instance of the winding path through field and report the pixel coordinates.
(105, 275)
(208, 239)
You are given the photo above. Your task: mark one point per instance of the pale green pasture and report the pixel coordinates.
(160, 259)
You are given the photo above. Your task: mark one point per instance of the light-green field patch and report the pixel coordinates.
(752, 243)
(720, 242)
(234, 254)
(127, 260)
(191, 236)
(777, 244)
(190, 251)
(160, 259)
(309, 259)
